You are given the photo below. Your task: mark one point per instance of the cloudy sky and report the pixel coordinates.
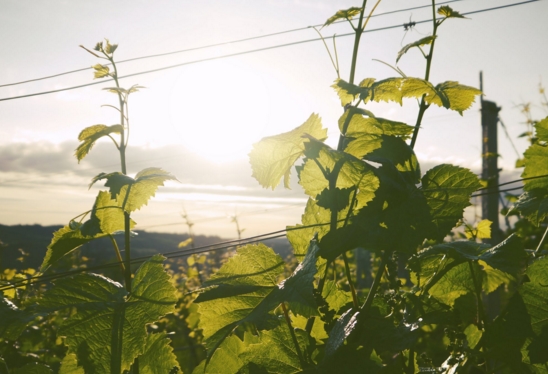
(199, 120)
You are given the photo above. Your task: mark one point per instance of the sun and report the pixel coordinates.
(219, 109)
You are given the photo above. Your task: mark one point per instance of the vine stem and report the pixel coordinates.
(482, 319)
(293, 336)
(374, 287)
(118, 254)
(423, 106)
(310, 322)
(349, 277)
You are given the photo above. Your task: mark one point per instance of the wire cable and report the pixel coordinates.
(245, 53)
(218, 44)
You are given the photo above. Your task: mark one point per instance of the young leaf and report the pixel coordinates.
(106, 218)
(101, 71)
(69, 365)
(109, 329)
(273, 156)
(131, 194)
(482, 230)
(226, 358)
(158, 357)
(347, 14)
(90, 135)
(419, 43)
(447, 189)
(447, 12)
(314, 216)
(360, 125)
(454, 96)
(541, 128)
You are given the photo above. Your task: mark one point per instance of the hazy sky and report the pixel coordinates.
(199, 120)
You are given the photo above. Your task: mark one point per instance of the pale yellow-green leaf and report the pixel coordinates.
(185, 243)
(90, 135)
(482, 230)
(360, 125)
(101, 71)
(272, 158)
(448, 12)
(454, 96)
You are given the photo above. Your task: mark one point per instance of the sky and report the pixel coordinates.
(199, 120)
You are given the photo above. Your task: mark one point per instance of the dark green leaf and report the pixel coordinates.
(33, 368)
(541, 128)
(12, 319)
(90, 135)
(532, 205)
(272, 157)
(447, 189)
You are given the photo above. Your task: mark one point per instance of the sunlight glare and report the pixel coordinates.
(219, 109)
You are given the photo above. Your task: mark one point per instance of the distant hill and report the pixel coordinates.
(34, 240)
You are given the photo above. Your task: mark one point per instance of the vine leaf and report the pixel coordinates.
(532, 205)
(32, 368)
(347, 14)
(482, 230)
(227, 358)
(450, 95)
(13, 320)
(350, 172)
(158, 357)
(444, 270)
(132, 193)
(448, 12)
(101, 71)
(69, 365)
(447, 189)
(276, 352)
(106, 219)
(272, 157)
(316, 217)
(541, 128)
(109, 329)
(245, 290)
(90, 135)
(360, 125)
(419, 43)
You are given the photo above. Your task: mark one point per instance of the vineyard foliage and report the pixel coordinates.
(424, 310)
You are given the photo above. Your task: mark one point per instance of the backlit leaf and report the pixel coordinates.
(447, 189)
(158, 357)
(447, 12)
(360, 125)
(541, 128)
(276, 353)
(69, 365)
(533, 205)
(131, 194)
(101, 71)
(482, 230)
(106, 218)
(419, 43)
(109, 329)
(315, 216)
(536, 167)
(343, 14)
(90, 135)
(454, 96)
(273, 156)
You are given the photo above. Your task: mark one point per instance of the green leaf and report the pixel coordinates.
(447, 12)
(532, 205)
(360, 125)
(273, 156)
(482, 230)
(245, 290)
(536, 167)
(335, 297)
(541, 128)
(109, 329)
(316, 217)
(106, 218)
(131, 194)
(349, 171)
(69, 365)
(535, 294)
(12, 319)
(447, 189)
(226, 358)
(347, 92)
(158, 357)
(454, 96)
(419, 43)
(347, 14)
(237, 293)
(90, 135)
(101, 71)
(276, 353)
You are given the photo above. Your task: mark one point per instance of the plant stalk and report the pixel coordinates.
(293, 336)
